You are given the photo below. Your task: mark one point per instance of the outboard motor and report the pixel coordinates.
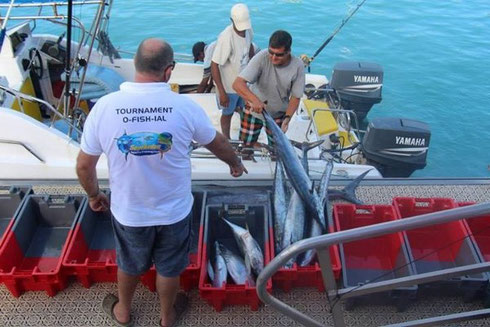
(358, 85)
(396, 146)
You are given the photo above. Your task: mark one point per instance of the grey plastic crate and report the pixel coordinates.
(11, 201)
(31, 256)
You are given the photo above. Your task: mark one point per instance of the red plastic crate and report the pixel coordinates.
(441, 246)
(91, 254)
(377, 258)
(11, 201)
(30, 258)
(190, 277)
(230, 293)
(309, 276)
(433, 238)
(479, 228)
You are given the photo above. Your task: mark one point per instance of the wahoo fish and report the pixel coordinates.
(220, 271)
(348, 193)
(296, 173)
(280, 205)
(248, 246)
(235, 266)
(295, 224)
(315, 229)
(305, 147)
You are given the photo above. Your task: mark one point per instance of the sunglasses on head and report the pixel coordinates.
(277, 54)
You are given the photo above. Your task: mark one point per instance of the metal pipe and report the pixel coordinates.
(68, 60)
(53, 4)
(34, 99)
(324, 241)
(412, 280)
(82, 79)
(456, 317)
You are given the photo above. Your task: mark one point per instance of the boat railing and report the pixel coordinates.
(19, 96)
(335, 295)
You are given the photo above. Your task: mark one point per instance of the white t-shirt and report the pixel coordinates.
(208, 55)
(145, 131)
(231, 53)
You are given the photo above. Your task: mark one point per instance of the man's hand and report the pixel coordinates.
(224, 101)
(99, 202)
(256, 105)
(285, 124)
(238, 170)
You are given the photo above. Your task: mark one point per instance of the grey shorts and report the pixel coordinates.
(167, 246)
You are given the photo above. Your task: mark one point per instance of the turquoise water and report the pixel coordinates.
(435, 55)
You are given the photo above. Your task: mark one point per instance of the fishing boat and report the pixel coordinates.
(48, 83)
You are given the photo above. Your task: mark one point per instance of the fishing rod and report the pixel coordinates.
(307, 60)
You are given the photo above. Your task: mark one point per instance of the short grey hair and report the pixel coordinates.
(153, 56)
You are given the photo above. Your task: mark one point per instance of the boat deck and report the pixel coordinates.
(78, 306)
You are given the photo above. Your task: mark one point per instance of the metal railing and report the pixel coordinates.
(321, 244)
(19, 96)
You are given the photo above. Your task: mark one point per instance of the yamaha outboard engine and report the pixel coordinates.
(395, 146)
(358, 85)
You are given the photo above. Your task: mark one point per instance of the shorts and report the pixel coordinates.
(234, 101)
(167, 246)
(250, 127)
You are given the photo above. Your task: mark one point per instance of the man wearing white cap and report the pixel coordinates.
(231, 54)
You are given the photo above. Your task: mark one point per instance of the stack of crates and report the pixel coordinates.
(374, 259)
(190, 277)
(256, 219)
(91, 254)
(11, 201)
(32, 252)
(441, 246)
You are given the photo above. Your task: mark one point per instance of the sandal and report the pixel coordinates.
(181, 305)
(108, 304)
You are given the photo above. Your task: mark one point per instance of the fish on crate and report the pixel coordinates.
(248, 246)
(236, 267)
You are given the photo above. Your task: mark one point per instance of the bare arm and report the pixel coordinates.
(215, 74)
(241, 88)
(251, 52)
(292, 107)
(87, 175)
(223, 150)
(203, 86)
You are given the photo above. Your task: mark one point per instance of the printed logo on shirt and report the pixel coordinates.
(144, 143)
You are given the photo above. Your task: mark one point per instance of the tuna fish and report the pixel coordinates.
(235, 266)
(219, 269)
(248, 246)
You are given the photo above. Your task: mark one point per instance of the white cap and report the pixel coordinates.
(241, 17)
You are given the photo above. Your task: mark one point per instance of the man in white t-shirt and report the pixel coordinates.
(145, 131)
(231, 54)
(204, 52)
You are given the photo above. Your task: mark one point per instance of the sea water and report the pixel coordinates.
(435, 55)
